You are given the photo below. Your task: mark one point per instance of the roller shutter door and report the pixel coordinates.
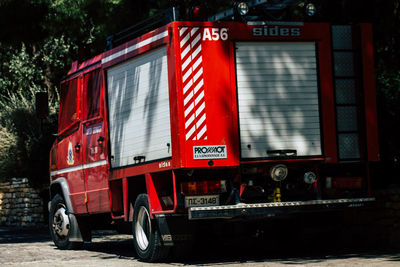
(278, 99)
(138, 103)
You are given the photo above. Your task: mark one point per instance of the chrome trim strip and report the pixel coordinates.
(79, 167)
(134, 47)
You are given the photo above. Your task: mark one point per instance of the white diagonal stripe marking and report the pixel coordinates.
(198, 86)
(198, 74)
(202, 132)
(202, 119)
(187, 86)
(188, 98)
(187, 49)
(197, 63)
(197, 70)
(189, 121)
(190, 133)
(199, 98)
(186, 63)
(182, 30)
(196, 40)
(200, 109)
(184, 40)
(198, 49)
(189, 109)
(187, 74)
(194, 30)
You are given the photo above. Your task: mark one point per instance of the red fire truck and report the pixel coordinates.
(199, 121)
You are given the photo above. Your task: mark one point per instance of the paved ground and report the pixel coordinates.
(32, 247)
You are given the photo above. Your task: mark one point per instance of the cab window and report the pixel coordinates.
(68, 114)
(92, 91)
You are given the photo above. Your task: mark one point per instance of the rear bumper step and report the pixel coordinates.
(275, 208)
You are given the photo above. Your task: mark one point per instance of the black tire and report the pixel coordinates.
(60, 224)
(146, 236)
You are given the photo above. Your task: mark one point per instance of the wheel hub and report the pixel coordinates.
(61, 222)
(143, 228)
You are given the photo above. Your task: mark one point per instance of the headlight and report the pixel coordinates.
(279, 172)
(310, 9)
(310, 177)
(242, 8)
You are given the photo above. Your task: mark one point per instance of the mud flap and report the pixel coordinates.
(75, 232)
(175, 229)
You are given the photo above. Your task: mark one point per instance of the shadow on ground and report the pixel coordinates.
(9, 235)
(288, 242)
(284, 243)
(317, 247)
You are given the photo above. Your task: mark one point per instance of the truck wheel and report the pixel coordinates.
(146, 236)
(60, 224)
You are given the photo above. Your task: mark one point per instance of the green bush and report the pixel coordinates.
(25, 140)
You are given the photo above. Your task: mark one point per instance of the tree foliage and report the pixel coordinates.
(39, 39)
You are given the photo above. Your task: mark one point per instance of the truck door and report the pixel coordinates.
(69, 149)
(93, 137)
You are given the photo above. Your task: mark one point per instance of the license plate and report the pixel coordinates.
(199, 201)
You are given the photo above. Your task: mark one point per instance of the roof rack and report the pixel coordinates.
(268, 5)
(151, 23)
(172, 14)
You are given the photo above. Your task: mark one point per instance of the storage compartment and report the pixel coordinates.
(278, 99)
(139, 109)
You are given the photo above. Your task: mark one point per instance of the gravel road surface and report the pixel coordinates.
(33, 247)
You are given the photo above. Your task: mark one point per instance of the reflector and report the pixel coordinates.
(347, 182)
(203, 187)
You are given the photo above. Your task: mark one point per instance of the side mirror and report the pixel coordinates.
(42, 105)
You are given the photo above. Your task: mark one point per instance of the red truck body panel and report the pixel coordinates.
(204, 111)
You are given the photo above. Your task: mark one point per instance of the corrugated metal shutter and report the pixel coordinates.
(278, 99)
(138, 103)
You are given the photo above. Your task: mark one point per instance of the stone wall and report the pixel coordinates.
(20, 204)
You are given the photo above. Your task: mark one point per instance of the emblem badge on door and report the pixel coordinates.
(70, 157)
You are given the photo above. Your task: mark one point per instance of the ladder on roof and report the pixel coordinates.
(151, 23)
